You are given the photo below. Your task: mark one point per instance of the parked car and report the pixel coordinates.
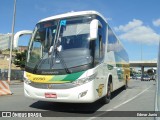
(145, 78)
(138, 77)
(133, 76)
(153, 77)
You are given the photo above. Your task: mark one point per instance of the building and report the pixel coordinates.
(22, 48)
(4, 62)
(5, 40)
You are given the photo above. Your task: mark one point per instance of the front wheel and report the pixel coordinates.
(106, 98)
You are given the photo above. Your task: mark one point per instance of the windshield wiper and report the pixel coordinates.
(38, 63)
(36, 66)
(62, 61)
(56, 52)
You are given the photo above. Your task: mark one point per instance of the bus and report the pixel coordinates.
(74, 58)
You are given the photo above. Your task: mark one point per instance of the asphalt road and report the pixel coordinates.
(139, 96)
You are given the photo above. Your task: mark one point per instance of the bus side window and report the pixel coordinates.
(100, 47)
(112, 41)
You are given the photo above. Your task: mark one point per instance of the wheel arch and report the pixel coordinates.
(109, 79)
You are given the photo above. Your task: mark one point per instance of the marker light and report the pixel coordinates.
(82, 94)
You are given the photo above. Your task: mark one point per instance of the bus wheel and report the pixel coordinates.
(106, 98)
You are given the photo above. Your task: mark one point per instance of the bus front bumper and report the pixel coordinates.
(81, 94)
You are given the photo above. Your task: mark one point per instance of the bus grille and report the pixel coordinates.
(52, 86)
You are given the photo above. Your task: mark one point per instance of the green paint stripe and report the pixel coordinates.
(68, 77)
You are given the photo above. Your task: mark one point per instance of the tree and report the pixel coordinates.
(20, 59)
(15, 50)
(0, 51)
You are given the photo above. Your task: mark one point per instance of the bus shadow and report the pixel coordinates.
(83, 108)
(118, 91)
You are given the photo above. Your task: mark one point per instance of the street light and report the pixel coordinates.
(12, 38)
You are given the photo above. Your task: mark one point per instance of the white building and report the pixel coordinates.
(5, 40)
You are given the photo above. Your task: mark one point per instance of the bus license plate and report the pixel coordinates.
(50, 95)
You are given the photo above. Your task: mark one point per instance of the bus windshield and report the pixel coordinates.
(60, 45)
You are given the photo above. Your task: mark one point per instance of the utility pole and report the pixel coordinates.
(11, 43)
(142, 67)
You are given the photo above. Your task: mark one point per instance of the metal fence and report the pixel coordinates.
(15, 74)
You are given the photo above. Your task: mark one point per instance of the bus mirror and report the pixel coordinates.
(20, 33)
(94, 25)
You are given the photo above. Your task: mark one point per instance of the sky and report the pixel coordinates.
(135, 22)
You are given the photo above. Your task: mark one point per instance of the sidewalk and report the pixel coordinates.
(16, 82)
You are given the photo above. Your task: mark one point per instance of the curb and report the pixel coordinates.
(16, 82)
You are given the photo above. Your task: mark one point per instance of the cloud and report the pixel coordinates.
(156, 22)
(131, 25)
(136, 31)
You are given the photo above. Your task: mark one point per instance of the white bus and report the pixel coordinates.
(74, 57)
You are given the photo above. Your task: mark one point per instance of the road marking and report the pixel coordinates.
(91, 118)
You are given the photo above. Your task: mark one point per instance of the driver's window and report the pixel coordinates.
(36, 51)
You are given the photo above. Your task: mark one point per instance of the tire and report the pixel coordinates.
(107, 97)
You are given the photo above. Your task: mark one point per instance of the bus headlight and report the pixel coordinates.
(27, 81)
(84, 80)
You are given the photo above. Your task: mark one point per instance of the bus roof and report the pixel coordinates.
(70, 14)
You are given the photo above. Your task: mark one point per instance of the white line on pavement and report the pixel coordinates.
(91, 118)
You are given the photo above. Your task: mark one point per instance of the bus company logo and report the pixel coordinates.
(49, 86)
(50, 72)
(100, 89)
(39, 79)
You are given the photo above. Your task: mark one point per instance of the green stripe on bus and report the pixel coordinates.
(68, 77)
